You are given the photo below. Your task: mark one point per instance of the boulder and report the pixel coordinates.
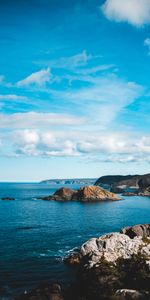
(111, 247)
(114, 266)
(126, 294)
(73, 259)
(64, 194)
(137, 231)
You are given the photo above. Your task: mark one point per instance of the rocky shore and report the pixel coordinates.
(84, 194)
(113, 266)
(128, 185)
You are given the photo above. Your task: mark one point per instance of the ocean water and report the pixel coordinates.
(35, 235)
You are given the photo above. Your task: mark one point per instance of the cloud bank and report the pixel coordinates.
(102, 146)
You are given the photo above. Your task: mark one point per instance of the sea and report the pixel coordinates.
(35, 235)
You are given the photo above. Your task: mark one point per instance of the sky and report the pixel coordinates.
(74, 88)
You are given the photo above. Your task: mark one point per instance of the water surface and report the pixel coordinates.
(36, 234)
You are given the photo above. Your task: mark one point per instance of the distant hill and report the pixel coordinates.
(85, 181)
(122, 180)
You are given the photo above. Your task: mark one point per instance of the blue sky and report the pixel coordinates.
(74, 88)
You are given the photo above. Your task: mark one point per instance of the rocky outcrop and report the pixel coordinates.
(93, 193)
(137, 231)
(114, 266)
(84, 194)
(144, 192)
(144, 182)
(130, 185)
(128, 294)
(111, 247)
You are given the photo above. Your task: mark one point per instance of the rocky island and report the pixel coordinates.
(84, 194)
(115, 266)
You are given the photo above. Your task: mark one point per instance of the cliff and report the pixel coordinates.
(130, 185)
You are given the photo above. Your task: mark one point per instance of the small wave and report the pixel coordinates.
(49, 253)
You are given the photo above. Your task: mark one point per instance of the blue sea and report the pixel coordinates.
(35, 235)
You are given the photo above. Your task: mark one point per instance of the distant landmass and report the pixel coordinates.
(86, 181)
(129, 184)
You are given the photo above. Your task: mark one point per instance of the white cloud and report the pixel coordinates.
(49, 144)
(147, 44)
(39, 78)
(12, 97)
(103, 146)
(36, 120)
(135, 12)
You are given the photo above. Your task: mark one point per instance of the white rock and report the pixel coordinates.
(113, 246)
(129, 294)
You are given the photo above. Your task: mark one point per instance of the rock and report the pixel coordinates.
(134, 184)
(114, 266)
(64, 194)
(144, 182)
(93, 193)
(111, 247)
(45, 292)
(73, 259)
(84, 194)
(137, 231)
(125, 294)
(144, 192)
(119, 180)
(124, 279)
(7, 198)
